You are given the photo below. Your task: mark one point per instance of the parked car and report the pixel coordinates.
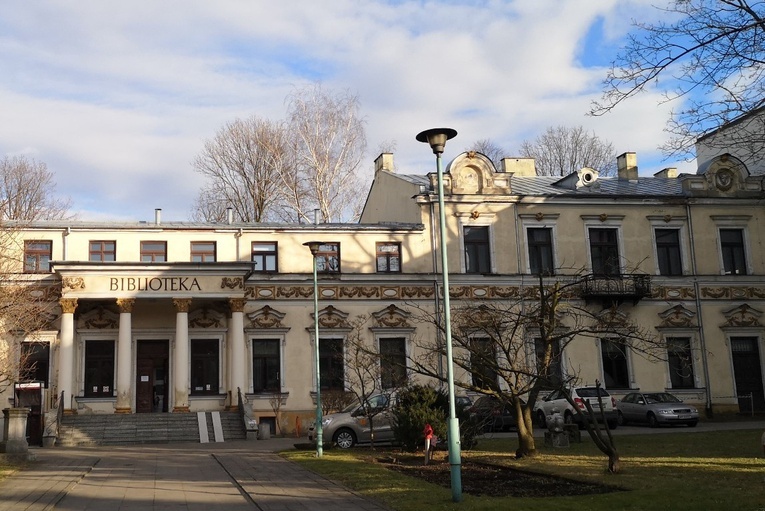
(463, 402)
(656, 408)
(352, 426)
(556, 400)
(491, 414)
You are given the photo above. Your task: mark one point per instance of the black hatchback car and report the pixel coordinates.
(491, 414)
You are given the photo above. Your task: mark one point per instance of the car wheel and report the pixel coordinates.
(345, 439)
(652, 421)
(613, 424)
(541, 419)
(620, 419)
(692, 424)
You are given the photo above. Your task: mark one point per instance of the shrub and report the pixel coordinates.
(416, 406)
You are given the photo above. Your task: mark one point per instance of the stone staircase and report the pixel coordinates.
(143, 428)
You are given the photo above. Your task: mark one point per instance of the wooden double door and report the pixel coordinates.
(152, 368)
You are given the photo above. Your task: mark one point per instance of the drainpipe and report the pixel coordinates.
(697, 293)
(65, 244)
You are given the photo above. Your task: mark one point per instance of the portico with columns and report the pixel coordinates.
(146, 326)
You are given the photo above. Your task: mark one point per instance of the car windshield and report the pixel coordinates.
(351, 407)
(591, 392)
(661, 397)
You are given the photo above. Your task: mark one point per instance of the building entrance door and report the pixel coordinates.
(151, 376)
(748, 373)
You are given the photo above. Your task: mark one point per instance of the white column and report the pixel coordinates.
(181, 356)
(237, 350)
(124, 356)
(66, 353)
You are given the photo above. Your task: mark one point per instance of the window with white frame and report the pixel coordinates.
(477, 248)
(266, 365)
(616, 373)
(733, 244)
(392, 362)
(205, 366)
(331, 363)
(483, 363)
(99, 368)
(680, 362)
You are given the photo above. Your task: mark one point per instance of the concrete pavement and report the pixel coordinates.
(229, 476)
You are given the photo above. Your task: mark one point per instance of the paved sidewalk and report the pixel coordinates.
(229, 476)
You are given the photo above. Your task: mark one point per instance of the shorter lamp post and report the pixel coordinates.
(313, 246)
(437, 138)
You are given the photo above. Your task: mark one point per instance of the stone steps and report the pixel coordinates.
(122, 429)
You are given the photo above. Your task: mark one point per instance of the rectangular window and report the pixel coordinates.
(328, 258)
(540, 251)
(331, 364)
(477, 258)
(103, 251)
(388, 257)
(668, 251)
(551, 376)
(604, 249)
(615, 368)
(99, 368)
(35, 359)
(393, 362)
(733, 255)
(680, 363)
(153, 251)
(483, 364)
(265, 257)
(202, 251)
(37, 255)
(266, 365)
(204, 366)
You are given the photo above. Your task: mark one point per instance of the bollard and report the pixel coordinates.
(264, 431)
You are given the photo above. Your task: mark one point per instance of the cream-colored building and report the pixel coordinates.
(168, 317)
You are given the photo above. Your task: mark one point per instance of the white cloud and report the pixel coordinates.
(117, 99)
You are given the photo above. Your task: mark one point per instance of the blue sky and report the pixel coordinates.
(118, 98)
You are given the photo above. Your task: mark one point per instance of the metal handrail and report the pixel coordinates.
(246, 420)
(59, 413)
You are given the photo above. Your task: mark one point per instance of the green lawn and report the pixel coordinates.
(673, 471)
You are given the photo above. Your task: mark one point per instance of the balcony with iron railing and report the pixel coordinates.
(616, 288)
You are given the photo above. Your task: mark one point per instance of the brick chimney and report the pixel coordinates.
(384, 162)
(627, 166)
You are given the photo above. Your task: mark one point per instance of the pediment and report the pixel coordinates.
(266, 317)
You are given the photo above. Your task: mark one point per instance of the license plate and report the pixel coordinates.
(685, 416)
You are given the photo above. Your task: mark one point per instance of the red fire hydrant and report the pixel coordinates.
(428, 432)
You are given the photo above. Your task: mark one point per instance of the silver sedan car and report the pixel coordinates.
(656, 408)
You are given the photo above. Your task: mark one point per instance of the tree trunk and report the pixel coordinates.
(526, 444)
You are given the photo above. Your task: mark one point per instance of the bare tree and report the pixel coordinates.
(490, 149)
(24, 310)
(512, 349)
(27, 191)
(562, 150)
(328, 143)
(709, 56)
(243, 165)
(267, 170)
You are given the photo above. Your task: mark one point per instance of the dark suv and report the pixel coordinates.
(491, 414)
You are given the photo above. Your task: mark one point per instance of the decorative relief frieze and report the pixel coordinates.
(73, 283)
(360, 292)
(331, 317)
(672, 293)
(504, 292)
(266, 317)
(677, 317)
(99, 318)
(231, 283)
(742, 316)
(294, 291)
(735, 293)
(206, 318)
(392, 317)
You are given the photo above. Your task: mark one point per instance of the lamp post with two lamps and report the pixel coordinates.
(436, 138)
(313, 246)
